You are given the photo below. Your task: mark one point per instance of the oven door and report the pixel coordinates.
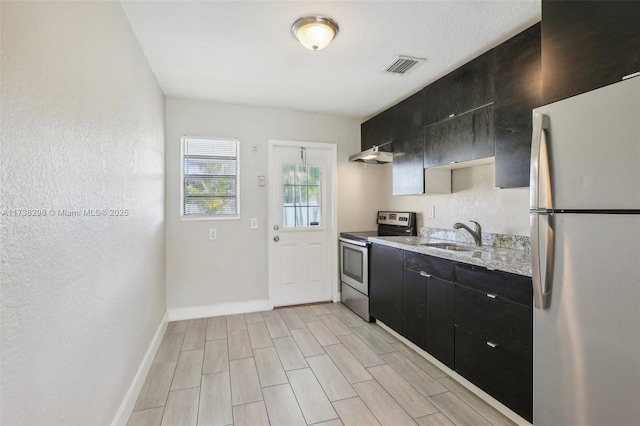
(354, 265)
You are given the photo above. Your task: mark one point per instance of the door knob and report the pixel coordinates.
(276, 227)
(276, 238)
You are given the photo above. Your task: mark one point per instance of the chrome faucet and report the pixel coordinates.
(477, 234)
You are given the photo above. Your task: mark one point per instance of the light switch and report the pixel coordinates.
(213, 234)
(254, 223)
(260, 180)
(431, 212)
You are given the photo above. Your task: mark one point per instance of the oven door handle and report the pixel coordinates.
(355, 243)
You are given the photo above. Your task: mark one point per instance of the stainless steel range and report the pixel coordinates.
(354, 258)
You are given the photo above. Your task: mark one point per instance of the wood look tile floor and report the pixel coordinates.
(307, 365)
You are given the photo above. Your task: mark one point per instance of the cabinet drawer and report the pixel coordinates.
(506, 377)
(504, 285)
(434, 266)
(508, 325)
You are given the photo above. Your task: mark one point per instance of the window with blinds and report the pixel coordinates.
(210, 178)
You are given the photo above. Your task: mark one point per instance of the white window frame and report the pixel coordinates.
(235, 216)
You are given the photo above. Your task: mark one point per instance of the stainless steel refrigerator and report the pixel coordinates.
(585, 235)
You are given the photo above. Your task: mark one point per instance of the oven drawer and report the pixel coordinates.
(356, 301)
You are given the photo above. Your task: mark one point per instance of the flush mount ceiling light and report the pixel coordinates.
(314, 32)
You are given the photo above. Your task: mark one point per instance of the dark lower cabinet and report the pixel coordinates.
(506, 324)
(476, 321)
(414, 307)
(503, 375)
(494, 334)
(385, 285)
(428, 304)
(440, 320)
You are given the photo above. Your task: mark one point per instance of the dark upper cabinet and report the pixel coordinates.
(587, 45)
(458, 115)
(462, 138)
(385, 285)
(517, 76)
(377, 131)
(460, 91)
(408, 168)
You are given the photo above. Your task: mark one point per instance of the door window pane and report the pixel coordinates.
(301, 196)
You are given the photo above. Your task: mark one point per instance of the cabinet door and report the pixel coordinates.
(462, 90)
(440, 320)
(414, 294)
(462, 138)
(385, 285)
(506, 324)
(505, 376)
(407, 168)
(377, 131)
(587, 45)
(518, 89)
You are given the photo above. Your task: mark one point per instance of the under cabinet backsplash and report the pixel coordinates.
(515, 242)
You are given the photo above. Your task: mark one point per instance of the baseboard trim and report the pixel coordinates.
(129, 401)
(176, 314)
(513, 416)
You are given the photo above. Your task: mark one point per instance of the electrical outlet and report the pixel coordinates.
(431, 212)
(260, 180)
(254, 223)
(213, 234)
(254, 149)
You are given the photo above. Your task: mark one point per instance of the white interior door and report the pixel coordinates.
(302, 240)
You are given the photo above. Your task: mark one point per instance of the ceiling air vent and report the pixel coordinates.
(402, 64)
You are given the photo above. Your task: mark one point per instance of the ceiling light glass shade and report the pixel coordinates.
(315, 32)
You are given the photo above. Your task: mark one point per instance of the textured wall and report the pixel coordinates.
(473, 197)
(234, 267)
(82, 128)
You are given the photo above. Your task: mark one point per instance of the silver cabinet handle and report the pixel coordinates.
(492, 296)
(424, 274)
(492, 345)
(276, 238)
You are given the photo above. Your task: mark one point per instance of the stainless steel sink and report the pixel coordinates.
(449, 246)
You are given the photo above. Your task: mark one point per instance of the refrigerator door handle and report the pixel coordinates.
(539, 163)
(542, 253)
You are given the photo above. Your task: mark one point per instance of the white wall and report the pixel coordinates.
(82, 128)
(233, 269)
(473, 197)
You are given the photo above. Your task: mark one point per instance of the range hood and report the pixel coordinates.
(373, 155)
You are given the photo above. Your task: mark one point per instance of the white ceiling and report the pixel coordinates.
(243, 52)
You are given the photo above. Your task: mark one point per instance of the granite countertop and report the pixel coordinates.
(502, 259)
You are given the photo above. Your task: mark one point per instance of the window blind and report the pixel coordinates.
(210, 178)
